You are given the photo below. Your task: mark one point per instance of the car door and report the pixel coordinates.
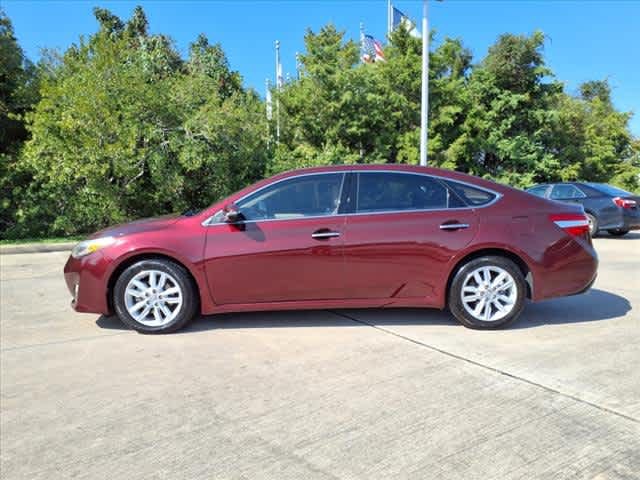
(288, 247)
(403, 232)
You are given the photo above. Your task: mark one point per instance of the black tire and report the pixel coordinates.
(455, 303)
(618, 232)
(593, 224)
(190, 300)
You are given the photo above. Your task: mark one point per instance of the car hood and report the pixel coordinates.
(138, 226)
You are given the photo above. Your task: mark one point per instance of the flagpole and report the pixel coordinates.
(361, 42)
(389, 19)
(278, 85)
(268, 106)
(424, 110)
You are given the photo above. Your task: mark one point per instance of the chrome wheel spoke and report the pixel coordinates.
(499, 279)
(144, 314)
(487, 311)
(139, 285)
(169, 291)
(165, 311)
(471, 298)
(499, 306)
(157, 315)
(134, 292)
(486, 276)
(138, 306)
(504, 299)
(479, 307)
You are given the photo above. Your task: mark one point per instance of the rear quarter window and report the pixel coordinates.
(472, 196)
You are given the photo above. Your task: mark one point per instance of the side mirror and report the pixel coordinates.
(232, 214)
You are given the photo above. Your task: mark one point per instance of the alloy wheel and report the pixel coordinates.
(489, 293)
(153, 298)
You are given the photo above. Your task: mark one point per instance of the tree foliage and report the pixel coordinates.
(125, 128)
(121, 126)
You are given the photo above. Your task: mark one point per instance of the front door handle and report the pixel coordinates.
(453, 226)
(324, 233)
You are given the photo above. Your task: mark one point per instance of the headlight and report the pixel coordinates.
(89, 246)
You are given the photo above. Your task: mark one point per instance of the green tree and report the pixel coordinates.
(591, 139)
(19, 81)
(126, 128)
(510, 105)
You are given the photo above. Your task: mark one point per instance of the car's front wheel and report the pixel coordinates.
(487, 292)
(155, 296)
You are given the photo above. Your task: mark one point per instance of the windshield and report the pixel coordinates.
(608, 189)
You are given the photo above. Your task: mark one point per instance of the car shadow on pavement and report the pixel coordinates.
(629, 236)
(595, 305)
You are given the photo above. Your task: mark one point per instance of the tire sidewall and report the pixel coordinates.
(189, 299)
(594, 221)
(455, 301)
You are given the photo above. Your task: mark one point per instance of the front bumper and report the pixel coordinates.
(87, 281)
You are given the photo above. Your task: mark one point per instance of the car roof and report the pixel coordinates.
(557, 183)
(395, 167)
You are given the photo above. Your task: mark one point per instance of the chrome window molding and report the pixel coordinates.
(497, 196)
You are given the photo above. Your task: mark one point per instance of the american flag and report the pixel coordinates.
(371, 50)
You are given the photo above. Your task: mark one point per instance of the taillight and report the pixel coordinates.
(575, 224)
(624, 203)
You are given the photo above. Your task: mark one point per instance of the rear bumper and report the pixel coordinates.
(631, 220)
(625, 219)
(569, 267)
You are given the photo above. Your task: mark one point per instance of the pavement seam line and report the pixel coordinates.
(59, 342)
(488, 367)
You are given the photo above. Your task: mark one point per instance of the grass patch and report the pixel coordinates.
(23, 241)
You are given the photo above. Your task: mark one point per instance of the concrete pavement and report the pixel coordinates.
(343, 394)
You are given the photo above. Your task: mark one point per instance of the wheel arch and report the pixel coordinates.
(500, 252)
(137, 257)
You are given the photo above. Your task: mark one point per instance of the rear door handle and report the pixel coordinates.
(324, 233)
(453, 226)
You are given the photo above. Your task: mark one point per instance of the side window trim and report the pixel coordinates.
(353, 187)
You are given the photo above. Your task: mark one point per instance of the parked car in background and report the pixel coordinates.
(607, 207)
(342, 236)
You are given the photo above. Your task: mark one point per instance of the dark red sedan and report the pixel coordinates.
(343, 236)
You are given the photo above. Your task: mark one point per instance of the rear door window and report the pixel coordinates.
(393, 191)
(564, 192)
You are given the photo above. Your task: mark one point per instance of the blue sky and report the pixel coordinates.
(585, 39)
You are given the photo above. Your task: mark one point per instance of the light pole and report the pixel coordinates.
(424, 110)
(278, 87)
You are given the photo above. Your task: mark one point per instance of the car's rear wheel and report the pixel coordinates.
(155, 296)
(618, 232)
(487, 292)
(593, 224)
